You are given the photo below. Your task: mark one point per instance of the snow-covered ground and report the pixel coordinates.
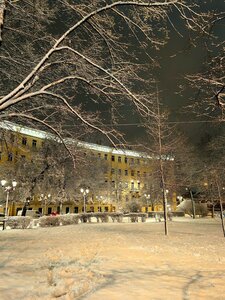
(115, 261)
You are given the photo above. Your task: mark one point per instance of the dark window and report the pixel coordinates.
(76, 209)
(23, 157)
(67, 210)
(132, 185)
(10, 157)
(106, 156)
(34, 143)
(132, 172)
(12, 138)
(40, 209)
(49, 210)
(119, 159)
(106, 208)
(139, 185)
(126, 172)
(113, 158)
(125, 160)
(24, 141)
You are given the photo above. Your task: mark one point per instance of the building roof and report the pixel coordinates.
(91, 146)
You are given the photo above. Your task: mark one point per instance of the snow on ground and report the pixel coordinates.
(114, 261)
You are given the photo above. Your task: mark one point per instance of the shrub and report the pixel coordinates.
(49, 221)
(134, 206)
(18, 222)
(134, 217)
(69, 219)
(116, 217)
(103, 216)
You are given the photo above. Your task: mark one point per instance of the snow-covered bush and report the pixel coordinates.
(49, 221)
(134, 216)
(116, 217)
(69, 219)
(18, 222)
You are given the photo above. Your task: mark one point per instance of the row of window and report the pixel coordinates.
(10, 156)
(24, 142)
(125, 185)
(126, 172)
(119, 159)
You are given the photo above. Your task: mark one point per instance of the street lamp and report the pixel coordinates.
(147, 196)
(84, 192)
(45, 198)
(7, 189)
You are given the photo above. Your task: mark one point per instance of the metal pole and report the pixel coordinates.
(7, 204)
(84, 204)
(193, 204)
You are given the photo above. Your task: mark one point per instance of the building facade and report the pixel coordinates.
(128, 176)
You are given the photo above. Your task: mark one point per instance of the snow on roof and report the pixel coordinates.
(91, 146)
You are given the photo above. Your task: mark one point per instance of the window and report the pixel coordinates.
(132, 172)
(76, 209)
(139, 185)
(67, 210)
(132, 185)
(112, 171)
(119, 159)
(10, 157)
(113, 183)
(99, 155)
(106, 156)
(138, 173)
(125, 160)
(24, 141)
(119, 171)
(23, 157)
(34, 143)
(113, 158)
(12, 138)
(126, 172)
(49, 210)
(131, 160)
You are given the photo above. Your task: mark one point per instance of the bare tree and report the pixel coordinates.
(56, 79)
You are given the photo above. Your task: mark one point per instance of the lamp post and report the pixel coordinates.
(7, 189)
(147, 197)
(45, 198)
(84, 192)
(99, 198)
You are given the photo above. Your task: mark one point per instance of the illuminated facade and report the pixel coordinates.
(126, 178)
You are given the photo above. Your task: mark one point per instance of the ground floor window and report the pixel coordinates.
(49, 210)
(67, 210)
(76, 210)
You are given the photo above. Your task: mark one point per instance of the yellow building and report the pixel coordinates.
(128, 176)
